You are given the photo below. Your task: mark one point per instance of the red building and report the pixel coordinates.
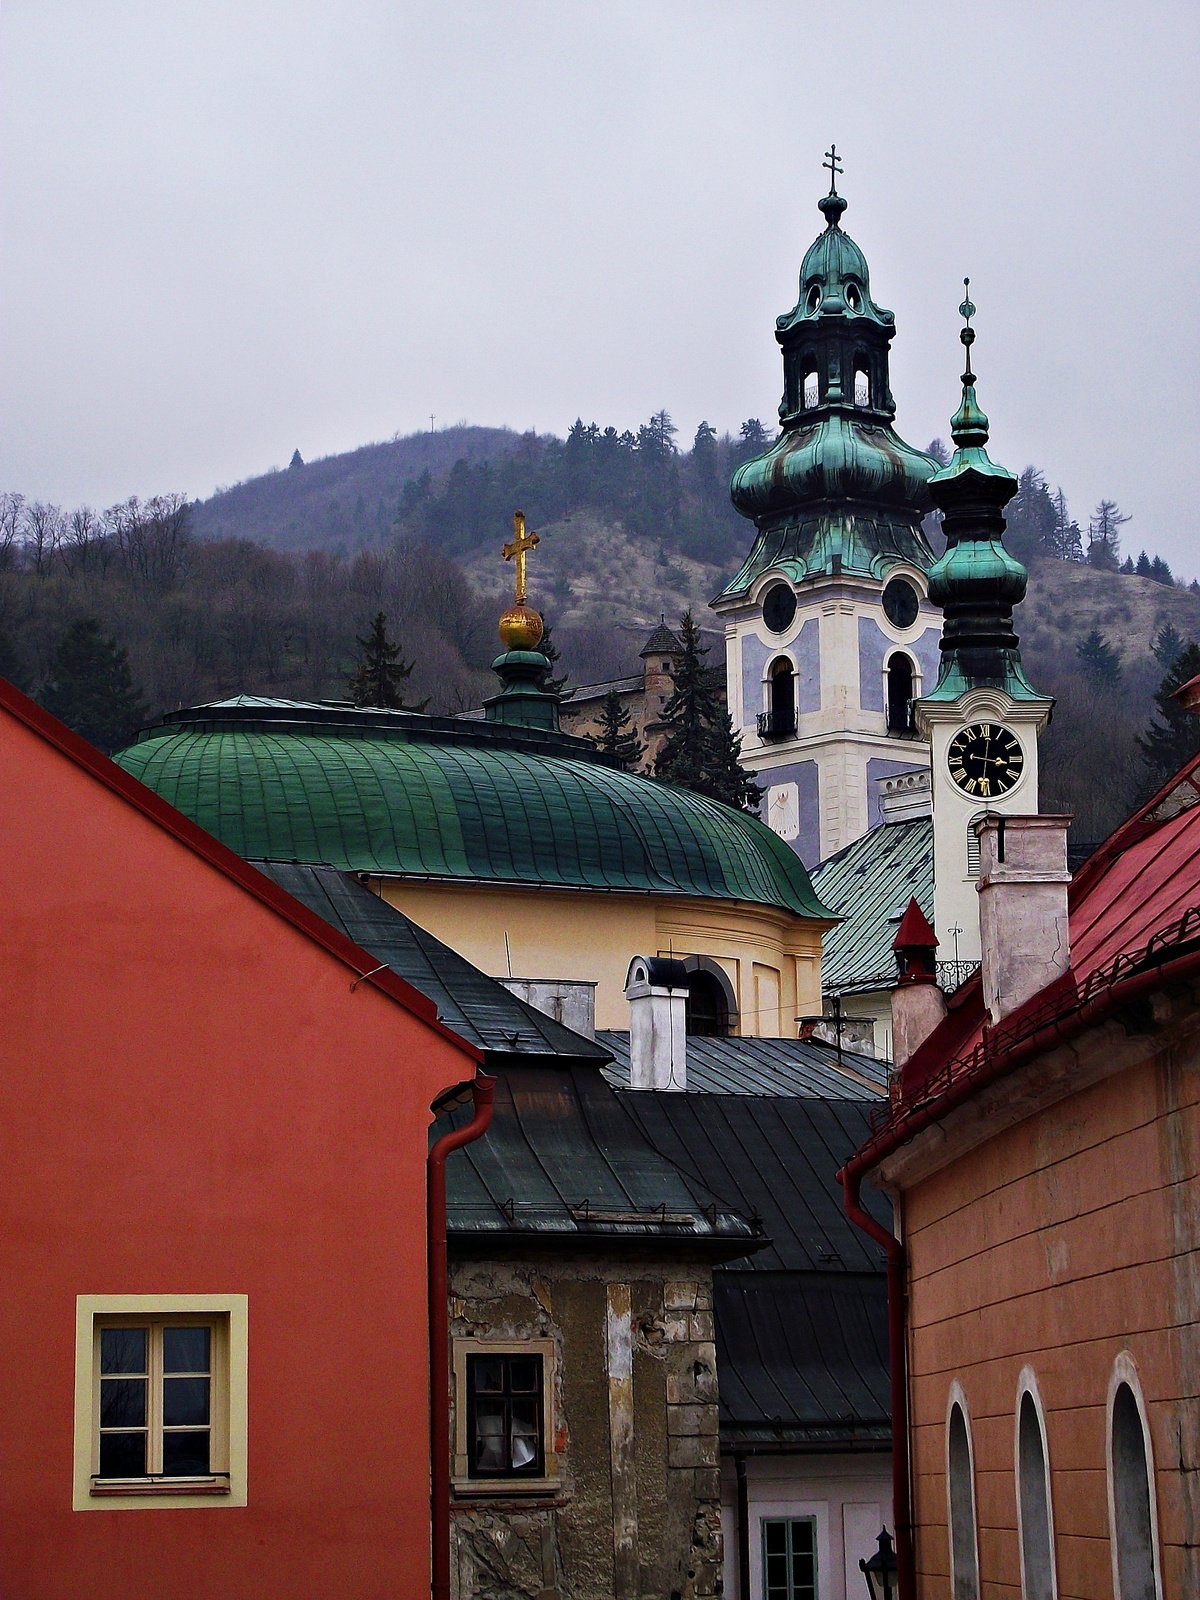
(1043, 1151)
(213, 1127)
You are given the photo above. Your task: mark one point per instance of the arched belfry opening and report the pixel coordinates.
(862, 385)
(812, 390)
(781, 698)
(901, 684)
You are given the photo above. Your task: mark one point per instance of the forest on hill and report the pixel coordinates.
(266, 588)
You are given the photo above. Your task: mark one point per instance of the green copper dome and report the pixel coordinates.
(440, 798)
(839, 490)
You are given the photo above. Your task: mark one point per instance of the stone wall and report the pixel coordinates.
(631, 1506)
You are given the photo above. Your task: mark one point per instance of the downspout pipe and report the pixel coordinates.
(743, 1534)
(901, 1468)
(483, 1090)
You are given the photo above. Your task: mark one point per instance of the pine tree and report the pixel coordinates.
(1174, 739)
(1161, 572)
(939, 450)
(381, 671)
(701, 751)
(1142, 567)
(297, 459)
(1167, 644)
(90, 688)
(1127, 565)
(1104, 531)
(617, 740)
(548, 648)
(1100, 661)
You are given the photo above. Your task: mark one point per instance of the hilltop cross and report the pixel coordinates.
(835, 166)
(522, 543)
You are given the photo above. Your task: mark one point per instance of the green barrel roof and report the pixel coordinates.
(420, 801)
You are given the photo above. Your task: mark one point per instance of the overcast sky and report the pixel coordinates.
(232, 229)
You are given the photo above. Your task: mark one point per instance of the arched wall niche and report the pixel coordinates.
(1035, 1504)
(1132, 1503)
(961, 1519)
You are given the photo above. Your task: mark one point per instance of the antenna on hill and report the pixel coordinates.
(431, 422)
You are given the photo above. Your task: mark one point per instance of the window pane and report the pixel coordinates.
(185, 1454)
(487, 1375)
(122, 1455)
(185, 1349)
(123, 1403)
(123, 1350)
(523, 1376)
(185, 1402)
(489, 1436)
(524, 1433)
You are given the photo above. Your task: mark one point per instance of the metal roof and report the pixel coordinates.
(801, 1325)
(803, 1067)
(564, 1160)
(775, 1159)
(802, 1361)
(365, 796)
(869, 884)
(473, 1004)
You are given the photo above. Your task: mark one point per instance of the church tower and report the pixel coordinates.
(830, 632)
(983, 717)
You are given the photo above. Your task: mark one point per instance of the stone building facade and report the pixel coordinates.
(629, 1500)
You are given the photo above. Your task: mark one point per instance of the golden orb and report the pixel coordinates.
(520, 628)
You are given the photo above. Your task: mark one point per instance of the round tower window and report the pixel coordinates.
(814, 299)
(900, 603)
(779, 607)
(852, 297)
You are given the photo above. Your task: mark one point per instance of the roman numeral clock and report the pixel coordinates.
(983, 717)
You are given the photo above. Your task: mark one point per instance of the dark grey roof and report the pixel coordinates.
(763, 1066)
(564, 1161)
(802, 1361)
(801, 1325)
(474, 1005)
(775, 1159)
(662, 640)
(869, 884)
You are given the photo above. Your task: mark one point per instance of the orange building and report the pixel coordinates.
(213, 1129)
(1043, 1151)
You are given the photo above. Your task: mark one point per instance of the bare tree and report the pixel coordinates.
(41, 535)
(153, 539)
(12, 513)
(83, 541)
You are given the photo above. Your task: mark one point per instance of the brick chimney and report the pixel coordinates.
(1023, 927)
(918, 1005)
(657, 992)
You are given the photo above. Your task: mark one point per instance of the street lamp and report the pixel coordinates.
(880, 1570)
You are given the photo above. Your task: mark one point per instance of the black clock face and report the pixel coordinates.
(985, 759)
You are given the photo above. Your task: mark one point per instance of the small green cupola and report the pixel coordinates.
(839, 491)
(977, 582)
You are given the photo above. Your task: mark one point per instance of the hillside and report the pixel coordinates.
(343, 502)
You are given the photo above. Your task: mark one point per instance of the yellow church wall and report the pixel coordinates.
(594, 937)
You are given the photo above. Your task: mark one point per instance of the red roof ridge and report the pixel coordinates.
(1136, 827)
(365, 966)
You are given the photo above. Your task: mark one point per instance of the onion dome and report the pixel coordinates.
(977, 582)
(839, 490)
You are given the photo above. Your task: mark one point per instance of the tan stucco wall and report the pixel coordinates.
(1058, 1244)
(594, 936)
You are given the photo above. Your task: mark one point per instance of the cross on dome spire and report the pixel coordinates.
(835, 166)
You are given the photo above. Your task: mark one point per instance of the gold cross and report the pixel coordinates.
(523, 542)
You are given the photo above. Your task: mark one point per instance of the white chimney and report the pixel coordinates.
(1023, 927)
(656, 989)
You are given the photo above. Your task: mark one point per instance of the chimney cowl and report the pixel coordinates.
(656, 988)
(915, 945)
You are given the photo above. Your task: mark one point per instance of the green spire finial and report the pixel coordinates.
(969, 424)
(832, 205)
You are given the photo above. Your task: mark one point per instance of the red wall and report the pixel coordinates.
(193, 1101)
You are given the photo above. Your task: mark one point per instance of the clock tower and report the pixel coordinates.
(983, 717)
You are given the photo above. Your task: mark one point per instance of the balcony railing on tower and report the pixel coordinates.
(777, 724)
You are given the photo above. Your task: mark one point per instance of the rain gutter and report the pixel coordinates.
(483, 1090)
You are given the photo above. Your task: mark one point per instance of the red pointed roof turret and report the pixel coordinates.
(915, 945)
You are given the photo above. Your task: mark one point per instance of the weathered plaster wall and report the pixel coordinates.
(1063, 1241)
(636, 1519)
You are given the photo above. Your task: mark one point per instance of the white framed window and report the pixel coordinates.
(1132, 1504)
(504, 1418)
(1035, 1506)
(789, 1558)
(160, 1401)
(960, 1498)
